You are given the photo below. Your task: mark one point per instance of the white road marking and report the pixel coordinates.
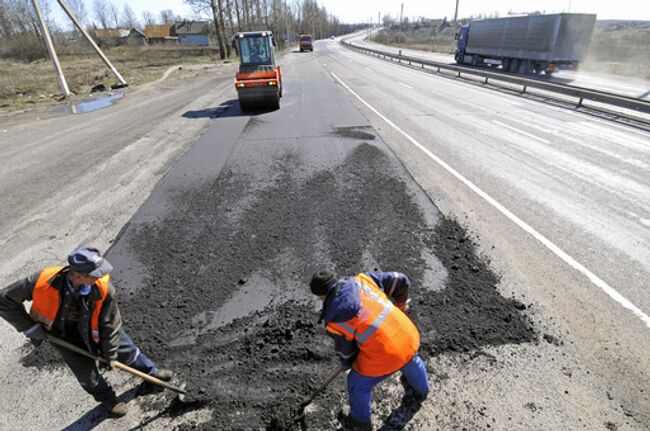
(514, 129)
(370, 69)
(405, 85)
(613, 293)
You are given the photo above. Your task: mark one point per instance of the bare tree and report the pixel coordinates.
(215, 7)
(100, 10)
(230, 18)
(78, 8)
(167, 16)
(148, 18)
(6, 29)
(129, 18)
(114, 15)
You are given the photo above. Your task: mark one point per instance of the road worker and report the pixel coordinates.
(365, 315)
(78, 304)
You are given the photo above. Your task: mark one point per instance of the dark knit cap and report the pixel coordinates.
(321, 282)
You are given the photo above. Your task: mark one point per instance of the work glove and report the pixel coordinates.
(36, 334)
(404, 306)
(105, 366)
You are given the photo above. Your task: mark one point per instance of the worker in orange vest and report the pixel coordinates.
(365, 315)
(77, 303)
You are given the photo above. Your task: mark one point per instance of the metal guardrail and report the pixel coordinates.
(637, 105)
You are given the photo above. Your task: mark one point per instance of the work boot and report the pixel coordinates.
(349, 424)
(359, 426)
(116, 408)
(151, 388)
(163, 374)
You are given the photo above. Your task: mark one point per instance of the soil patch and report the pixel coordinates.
(223, 235)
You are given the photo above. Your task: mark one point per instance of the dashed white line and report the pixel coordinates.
(514, 129)
(405, 85)
(613, 293)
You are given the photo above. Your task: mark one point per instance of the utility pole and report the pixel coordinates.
(90, 40)
(401, 16)
(50, 48)
(456, 12)
(378, 19)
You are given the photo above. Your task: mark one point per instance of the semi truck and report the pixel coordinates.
(530, 44)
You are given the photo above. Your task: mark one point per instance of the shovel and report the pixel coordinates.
(299, 416)
(330, 379)
(116, 364)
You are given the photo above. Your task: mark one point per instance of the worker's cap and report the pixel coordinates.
(87, 260)
(321, 282)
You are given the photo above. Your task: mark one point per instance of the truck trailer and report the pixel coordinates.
(532, 44)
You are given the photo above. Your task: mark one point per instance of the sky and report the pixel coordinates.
(353, 11)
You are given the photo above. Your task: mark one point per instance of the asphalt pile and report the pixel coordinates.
(220, 235)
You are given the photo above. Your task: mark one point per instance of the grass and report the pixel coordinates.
(24, 85)
(422, 39)
(620, 51)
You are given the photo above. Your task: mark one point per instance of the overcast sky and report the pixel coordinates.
(364, 10)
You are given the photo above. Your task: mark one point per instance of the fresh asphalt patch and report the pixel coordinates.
(213, 269)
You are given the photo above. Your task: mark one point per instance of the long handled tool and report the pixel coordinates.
(286, 421)
(320, 389)
(116, 364)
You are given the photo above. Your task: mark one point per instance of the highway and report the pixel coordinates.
(626, 86)
(580, 182)
(216, 218)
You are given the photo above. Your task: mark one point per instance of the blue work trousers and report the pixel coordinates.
(360, 387)
(87, 373)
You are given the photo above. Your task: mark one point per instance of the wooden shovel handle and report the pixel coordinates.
(115, 364)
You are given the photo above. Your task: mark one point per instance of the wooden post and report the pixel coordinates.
(92, 42)
(50, 48)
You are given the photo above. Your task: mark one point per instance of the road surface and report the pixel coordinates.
(213, 264)
(623, 85)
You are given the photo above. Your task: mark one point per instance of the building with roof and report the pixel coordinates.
(161, 34)
(136, 37)
(194, 33)
(110, 36)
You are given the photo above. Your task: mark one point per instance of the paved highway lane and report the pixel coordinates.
(581, 182)
(626, 86)
(242, 218)
(54, 167)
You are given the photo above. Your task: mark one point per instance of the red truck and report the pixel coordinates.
(306, 42)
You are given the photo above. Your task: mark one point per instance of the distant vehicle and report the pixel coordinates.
(532, 44)
(306, 42)
(259, 80)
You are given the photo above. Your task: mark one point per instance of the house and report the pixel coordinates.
(110, 36)
(192, 33)
(160, 34)
(136, 37)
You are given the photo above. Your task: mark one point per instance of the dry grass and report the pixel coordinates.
(34, 84)
(620, 50)
(422, 39)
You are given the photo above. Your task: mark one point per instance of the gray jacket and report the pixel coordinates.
(13, 311)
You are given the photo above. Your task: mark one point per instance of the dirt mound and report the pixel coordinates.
(225, 300)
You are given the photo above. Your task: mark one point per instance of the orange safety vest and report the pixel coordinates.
(47, 300)
(385, 336)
